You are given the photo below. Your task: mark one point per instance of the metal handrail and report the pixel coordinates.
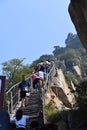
(47, 83)
(13, 94)
(13, 97)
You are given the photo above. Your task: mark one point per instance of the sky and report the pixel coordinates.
(31, 28)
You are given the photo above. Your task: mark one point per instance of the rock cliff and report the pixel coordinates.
(60, 94)
(78, 13)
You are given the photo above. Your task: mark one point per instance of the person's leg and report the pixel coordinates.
(41, 83)
(26, 100)
(35, 83)
(23, 102)
(23, 94)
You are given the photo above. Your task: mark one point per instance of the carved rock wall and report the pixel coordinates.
(78, 13)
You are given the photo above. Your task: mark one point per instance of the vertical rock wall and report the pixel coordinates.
(78, 13)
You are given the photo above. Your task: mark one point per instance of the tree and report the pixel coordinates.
(13, 70)
(58, 50)
(81, 94)
(73, 41)
(42, 59)
(70, 57)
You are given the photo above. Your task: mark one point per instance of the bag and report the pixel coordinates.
(28, 94)
(4, 120)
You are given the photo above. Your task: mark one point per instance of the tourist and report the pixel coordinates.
(24, 87)
(20, 120)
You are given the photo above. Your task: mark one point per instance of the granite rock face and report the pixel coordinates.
(78, 13)
(60, 94)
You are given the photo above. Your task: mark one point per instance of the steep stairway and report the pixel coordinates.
(34, 109)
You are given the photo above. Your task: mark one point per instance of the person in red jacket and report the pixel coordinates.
(35, 80)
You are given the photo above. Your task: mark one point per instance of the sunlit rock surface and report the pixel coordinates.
(78, 13)
(60, 94)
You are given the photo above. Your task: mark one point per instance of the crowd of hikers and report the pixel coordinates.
(36, 81)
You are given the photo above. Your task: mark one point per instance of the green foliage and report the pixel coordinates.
(81, 94)
(42, 59)
(54, 117)
(46, 58)
(83, 65)
(13, 70)
(53, 114)
(70, 77)
(58, 50)
(50, 110)
(69, 56)
(73, 41)
(72, 54)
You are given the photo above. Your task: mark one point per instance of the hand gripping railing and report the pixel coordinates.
(13, 97)
(47, 86)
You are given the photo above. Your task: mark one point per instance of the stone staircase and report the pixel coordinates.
(34, 109)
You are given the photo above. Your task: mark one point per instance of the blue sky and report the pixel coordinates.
(31, 28)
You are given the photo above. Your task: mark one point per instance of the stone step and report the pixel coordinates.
(33, 108)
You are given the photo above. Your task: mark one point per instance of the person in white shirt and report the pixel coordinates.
(20, 120)
(41, 75)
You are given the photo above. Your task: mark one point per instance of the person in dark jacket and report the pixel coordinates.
(24, 87)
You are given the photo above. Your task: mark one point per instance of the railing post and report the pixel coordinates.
(8, 106)
(18, 91)
(44, 118)
(11, 102)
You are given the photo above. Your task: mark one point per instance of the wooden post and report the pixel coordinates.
(2, 87)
